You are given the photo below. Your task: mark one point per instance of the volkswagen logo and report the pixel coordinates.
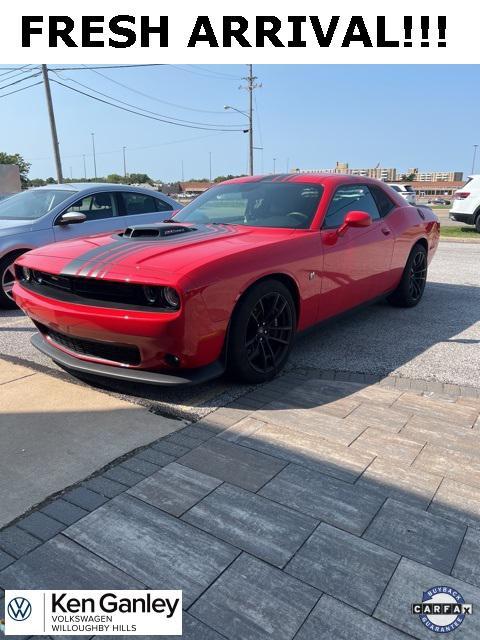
(19, 609)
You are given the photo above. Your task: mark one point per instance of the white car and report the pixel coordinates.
(466, 203)
(405, 190)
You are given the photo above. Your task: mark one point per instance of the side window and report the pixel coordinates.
(384, 204)
(352, 197)
(96, 207)
(162, 205)
(136, 203)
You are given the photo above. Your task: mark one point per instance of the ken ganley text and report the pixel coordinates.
(94, 612)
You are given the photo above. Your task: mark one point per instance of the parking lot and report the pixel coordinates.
(437, 341)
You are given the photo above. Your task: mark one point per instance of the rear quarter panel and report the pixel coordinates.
(409, 227)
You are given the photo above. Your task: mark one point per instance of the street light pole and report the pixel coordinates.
(124, 162)
(94, 156)
(474, 157)
(84, 167)
(53, 126)
(274, 164)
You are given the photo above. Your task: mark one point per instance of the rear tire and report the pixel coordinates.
(262, 332)
(7, 278)
(412, 285)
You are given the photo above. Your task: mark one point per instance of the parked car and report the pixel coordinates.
(405, 190)
(466, 203)
(60, 212)
(229, 281)
(440, 201)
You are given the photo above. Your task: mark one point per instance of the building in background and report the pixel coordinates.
(435, 176)
(391, 174)
(381, 173)
(9, 179)
(427, 188)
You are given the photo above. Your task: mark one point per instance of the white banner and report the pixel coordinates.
(93, 613)
(214, 31)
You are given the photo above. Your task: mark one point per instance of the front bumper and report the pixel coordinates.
(183, 378)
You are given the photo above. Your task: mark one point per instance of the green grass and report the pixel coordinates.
(459, 232)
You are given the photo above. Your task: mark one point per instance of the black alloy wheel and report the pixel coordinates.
(269, 333)
(412, 285)
(262, 332)
(417, 275)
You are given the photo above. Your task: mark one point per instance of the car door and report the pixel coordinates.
(142, 208)
(101, 213)
(356, 263)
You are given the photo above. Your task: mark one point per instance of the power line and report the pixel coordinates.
(35, 84)
(150, 97)
(8, 70)
(33, 75)
(203, 75)
(214, 72)
(109, 66)
(144, 115)
(19, 72)
(133, 106)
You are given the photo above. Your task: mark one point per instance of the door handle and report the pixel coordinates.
(386, 231)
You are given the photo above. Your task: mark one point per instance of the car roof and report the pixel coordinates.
(98, 186)
(315, 178)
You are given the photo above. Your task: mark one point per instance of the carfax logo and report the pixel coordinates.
(442, 609)
(19, 609)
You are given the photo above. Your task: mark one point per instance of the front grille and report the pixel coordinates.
(122, 354)
(100, 293)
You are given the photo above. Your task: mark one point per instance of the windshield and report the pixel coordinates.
(30, 205)
(258, 204)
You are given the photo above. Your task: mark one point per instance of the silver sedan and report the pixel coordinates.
(60, 212)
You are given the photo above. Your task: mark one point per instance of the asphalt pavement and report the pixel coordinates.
(436, 341)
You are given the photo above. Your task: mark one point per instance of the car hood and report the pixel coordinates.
(179, 251)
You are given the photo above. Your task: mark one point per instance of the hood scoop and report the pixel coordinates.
(161, 230)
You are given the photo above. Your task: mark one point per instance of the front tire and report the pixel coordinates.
(7, 279)
(262, 332)
(412, 285)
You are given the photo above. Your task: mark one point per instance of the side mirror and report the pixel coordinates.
(354, 219)
(73, 217)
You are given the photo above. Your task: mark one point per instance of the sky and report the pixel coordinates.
(308, 116)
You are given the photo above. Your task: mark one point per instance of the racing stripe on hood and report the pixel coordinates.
(100, 267)
(90, 263)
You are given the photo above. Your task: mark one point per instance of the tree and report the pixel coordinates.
(229, 177)
(22, 164)
(116, 178)
(37, 182)
(139, 178)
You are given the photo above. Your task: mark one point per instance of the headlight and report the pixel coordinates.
(27, 274)
(151, 294)
(165, 297)
(171, 297)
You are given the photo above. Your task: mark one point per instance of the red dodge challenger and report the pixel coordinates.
(228, 281)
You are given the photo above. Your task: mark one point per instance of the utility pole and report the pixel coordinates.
(124, 163)
(210, 164)
(94, 156)
(53, 126)
(474, 157)
(274, 165)
(183, 175)
(251, 86)
(84, 167)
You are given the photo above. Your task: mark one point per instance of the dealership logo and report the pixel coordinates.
(19, 609)
(442, 609)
